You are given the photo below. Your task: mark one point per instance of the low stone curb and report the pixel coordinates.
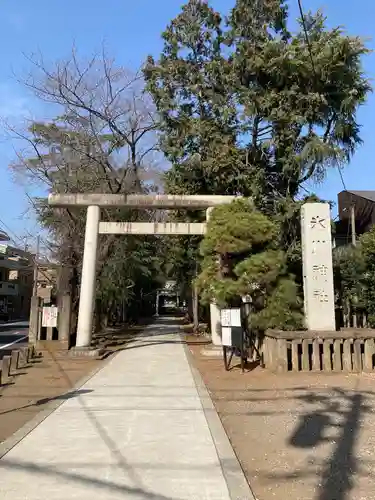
(5, 369)
(18, 358)
(239, 488)
(15, 356)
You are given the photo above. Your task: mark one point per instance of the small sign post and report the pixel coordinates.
(232, 335)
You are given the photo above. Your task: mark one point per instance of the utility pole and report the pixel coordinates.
(35, 284)
(352, 223)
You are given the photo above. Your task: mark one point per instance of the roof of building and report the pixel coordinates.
(363, 203)
(368, 195)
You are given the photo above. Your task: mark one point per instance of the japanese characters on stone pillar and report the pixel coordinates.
(317, 267)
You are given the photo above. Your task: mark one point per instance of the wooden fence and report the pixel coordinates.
(349, 350)
(347, 317)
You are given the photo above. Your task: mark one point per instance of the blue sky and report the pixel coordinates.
(131, 30)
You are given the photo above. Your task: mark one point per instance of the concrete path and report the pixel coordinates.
(142, 427)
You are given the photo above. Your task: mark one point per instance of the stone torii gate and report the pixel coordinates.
(94, 202)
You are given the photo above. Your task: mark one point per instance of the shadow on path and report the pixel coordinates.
(139, 489)
(338, 472)
(46, 470)
(43, 401)
(334, 418)
(337, 476)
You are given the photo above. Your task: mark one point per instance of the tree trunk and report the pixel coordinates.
(104, 320)
(195, 304)
(124, 312)
(189, 301)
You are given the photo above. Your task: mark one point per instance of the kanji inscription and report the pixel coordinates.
(319, 270)
(317, 266)
(321, 295)
(317, 222)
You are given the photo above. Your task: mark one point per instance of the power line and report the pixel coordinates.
(351, 223)
(15, 239)
(11, 232)
(309, 48)
(341, 177)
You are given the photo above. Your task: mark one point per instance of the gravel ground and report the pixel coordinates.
(297, 436)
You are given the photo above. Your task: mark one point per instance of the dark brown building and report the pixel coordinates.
(363, 203)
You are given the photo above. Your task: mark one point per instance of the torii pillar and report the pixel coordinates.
(93, 202)
(215, 320)
(88, 280)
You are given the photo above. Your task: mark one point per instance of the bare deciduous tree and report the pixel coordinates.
(103, 139)
(108, 106)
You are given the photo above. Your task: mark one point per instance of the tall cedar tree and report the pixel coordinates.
(249, 108)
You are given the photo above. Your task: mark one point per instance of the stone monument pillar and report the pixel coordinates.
(317, 267)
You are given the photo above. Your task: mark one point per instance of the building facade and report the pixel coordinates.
(16, 282)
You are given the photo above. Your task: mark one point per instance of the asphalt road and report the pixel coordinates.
(13, 335)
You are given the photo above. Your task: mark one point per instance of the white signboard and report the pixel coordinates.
(230, 317)
(226, 336)
(230, 326)
(225, 317)
(49, 317)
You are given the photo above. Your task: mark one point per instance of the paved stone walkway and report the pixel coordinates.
(138, 429)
